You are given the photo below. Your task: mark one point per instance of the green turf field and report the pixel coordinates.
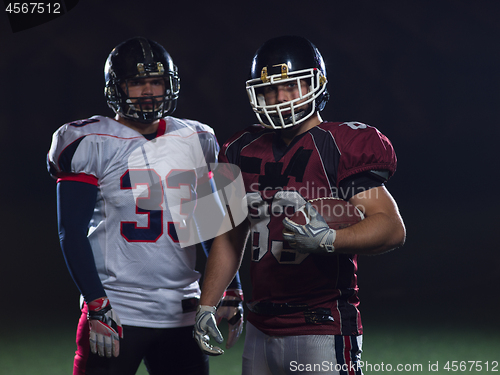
(413, 349)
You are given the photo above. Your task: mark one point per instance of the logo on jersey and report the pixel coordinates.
(274, 176)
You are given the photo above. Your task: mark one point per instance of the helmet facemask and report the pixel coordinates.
(139, 108)
(290, 113)
(148, 108)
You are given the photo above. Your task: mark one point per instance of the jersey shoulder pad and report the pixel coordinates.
(185, 127)
(83, 134)
(191, 130)
(362, 148)
(238, 140)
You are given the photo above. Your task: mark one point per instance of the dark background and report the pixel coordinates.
(426, 73)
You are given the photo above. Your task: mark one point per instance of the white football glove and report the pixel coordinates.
(206, 326)
(231, 308)
(105, 328)
(313, 237)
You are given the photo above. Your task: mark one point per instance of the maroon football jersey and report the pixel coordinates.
(280, 178)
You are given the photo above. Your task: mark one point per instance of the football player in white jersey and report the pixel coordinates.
(117, 183)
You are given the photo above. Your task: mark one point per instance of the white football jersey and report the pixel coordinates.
(146, 273)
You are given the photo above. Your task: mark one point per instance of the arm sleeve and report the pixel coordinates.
(75, 206)
(360, 182)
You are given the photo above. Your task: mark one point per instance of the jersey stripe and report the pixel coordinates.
(81, 177)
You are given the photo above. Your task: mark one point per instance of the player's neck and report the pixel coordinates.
(143, 128)
(288, 134)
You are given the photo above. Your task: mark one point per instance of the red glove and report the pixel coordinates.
(105, 328)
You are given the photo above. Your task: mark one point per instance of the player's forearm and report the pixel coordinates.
(235, 283)
(376, 234)
(381, 230)
(222, 264)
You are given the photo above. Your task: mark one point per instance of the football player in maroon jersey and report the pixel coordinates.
(304, 309)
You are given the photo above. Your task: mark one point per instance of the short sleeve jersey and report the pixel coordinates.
(145, 272)
(280, 178)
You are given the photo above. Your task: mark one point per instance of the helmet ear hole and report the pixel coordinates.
(140, 58)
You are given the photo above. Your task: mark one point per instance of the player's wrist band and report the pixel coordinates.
(233, 293)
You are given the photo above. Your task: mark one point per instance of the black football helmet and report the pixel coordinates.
(140, 58)
(287, 59)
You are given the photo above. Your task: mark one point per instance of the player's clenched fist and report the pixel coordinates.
(105, 328)
(312, 237)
